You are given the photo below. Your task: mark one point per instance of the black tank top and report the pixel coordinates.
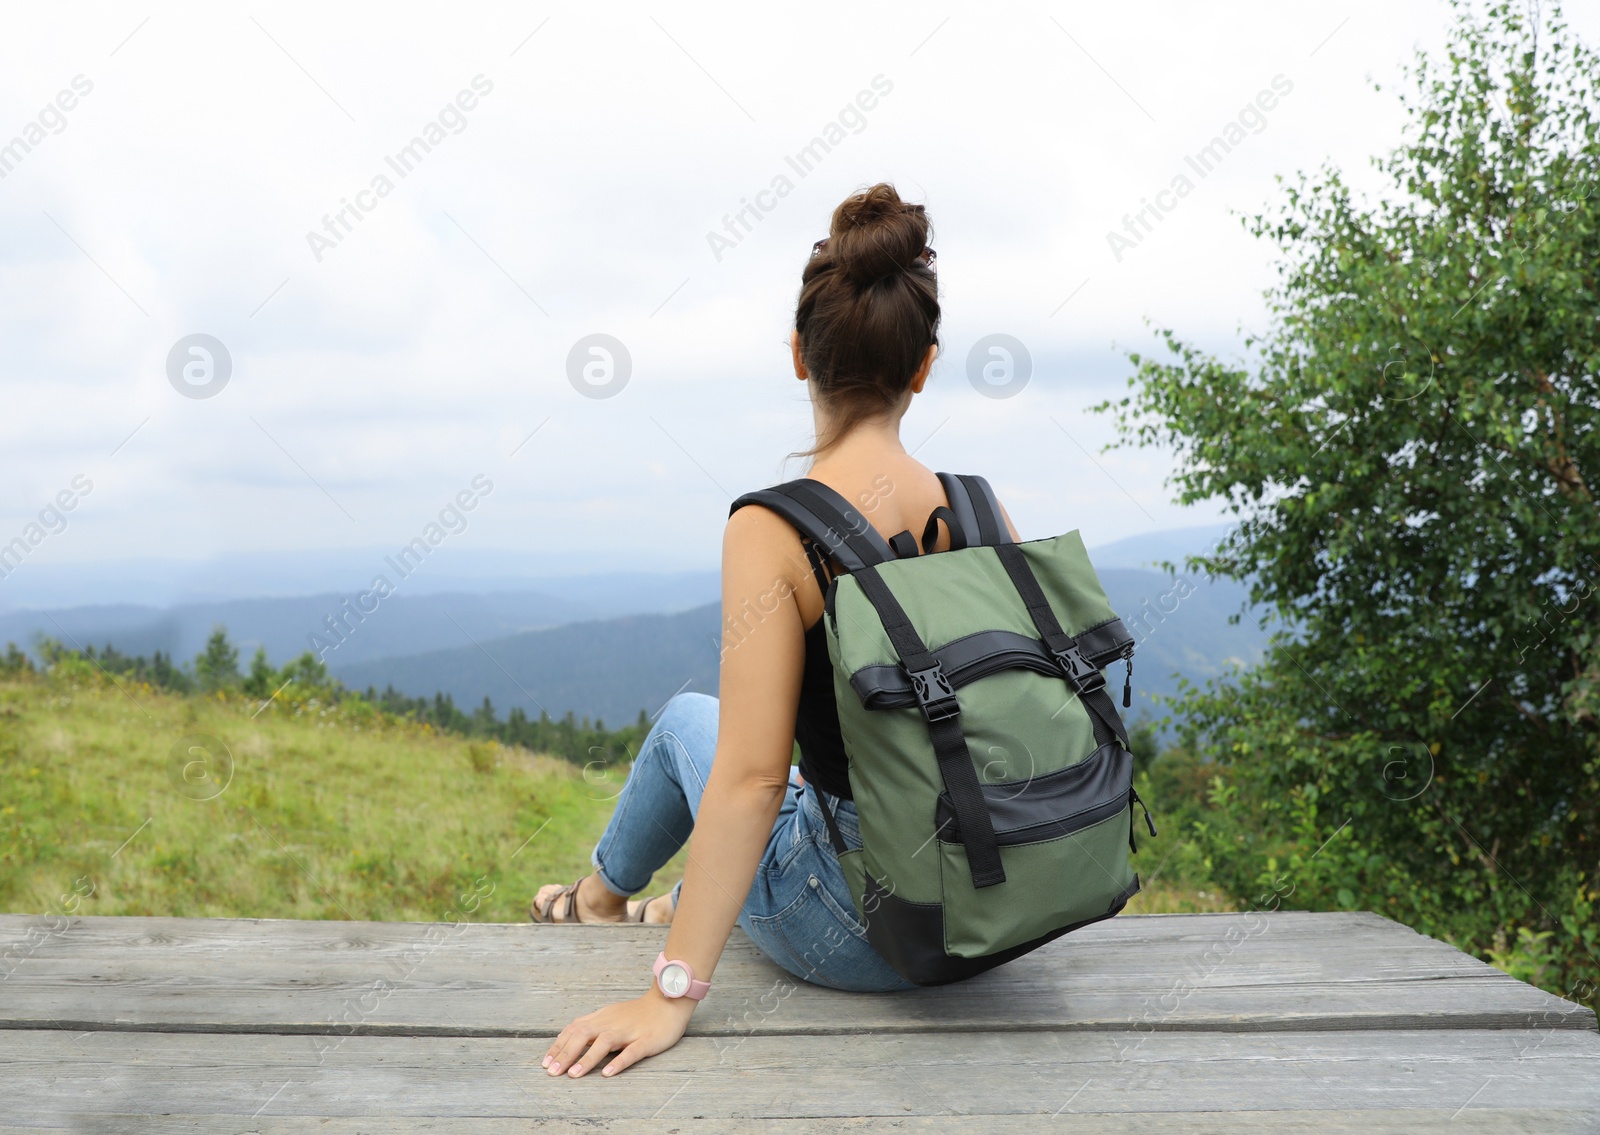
(816, 725)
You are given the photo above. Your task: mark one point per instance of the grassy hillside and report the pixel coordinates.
(328, 811)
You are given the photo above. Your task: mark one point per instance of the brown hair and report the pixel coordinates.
(868, 308)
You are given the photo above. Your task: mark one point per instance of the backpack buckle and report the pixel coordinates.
(1080, 674)
(934, 695)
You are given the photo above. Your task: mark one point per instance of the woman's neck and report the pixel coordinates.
(866, 447)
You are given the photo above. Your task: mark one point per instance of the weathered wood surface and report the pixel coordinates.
(1217, 972)
(1163, 1023)
(1509, 1121)
(1071, 1076)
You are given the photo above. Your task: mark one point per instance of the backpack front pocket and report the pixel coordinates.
(1063, 841)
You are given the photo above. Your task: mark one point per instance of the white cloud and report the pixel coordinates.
(416, 353)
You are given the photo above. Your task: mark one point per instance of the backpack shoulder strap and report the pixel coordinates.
(824, 516)
(977, 511)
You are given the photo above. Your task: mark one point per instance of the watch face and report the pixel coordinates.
(674, 980)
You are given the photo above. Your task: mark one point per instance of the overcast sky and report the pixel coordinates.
(570, 192)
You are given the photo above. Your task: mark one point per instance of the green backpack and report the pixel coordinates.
(989, 765)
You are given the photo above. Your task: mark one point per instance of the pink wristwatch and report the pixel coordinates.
(676, 979)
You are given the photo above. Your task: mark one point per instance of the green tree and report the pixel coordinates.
(15, 662)
(164, 674)
(262, 679)
(217, 666)
(484, 720)
(1411, 449)
(307, 670)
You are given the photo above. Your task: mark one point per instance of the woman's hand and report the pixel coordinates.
(641, 1027)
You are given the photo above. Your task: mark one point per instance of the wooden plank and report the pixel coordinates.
(1243, 972)
(49, 1077)
(1518, 1121)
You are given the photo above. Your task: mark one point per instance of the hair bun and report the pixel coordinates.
(868, 312)
(875, 235)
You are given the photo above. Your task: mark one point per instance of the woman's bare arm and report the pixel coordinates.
(763, 653)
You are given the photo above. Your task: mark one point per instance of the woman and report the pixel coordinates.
(866, 334)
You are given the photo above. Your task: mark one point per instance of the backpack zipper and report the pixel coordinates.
(1133, 793)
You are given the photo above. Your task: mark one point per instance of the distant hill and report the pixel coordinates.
(1176, 636)
(400, 625)
(601, 645)
(451, 568)
(1150, 549)
(608, 669)
(614, 668)
(405, 623)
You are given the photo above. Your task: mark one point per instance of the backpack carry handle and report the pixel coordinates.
(930, 534)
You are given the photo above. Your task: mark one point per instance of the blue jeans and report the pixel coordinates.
(798, 912)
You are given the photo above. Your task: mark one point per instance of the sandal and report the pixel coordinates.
(568, 896)
(569, 911)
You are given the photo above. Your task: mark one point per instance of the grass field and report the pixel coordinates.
(158, 804)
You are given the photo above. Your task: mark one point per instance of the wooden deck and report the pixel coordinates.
(1160, 1023)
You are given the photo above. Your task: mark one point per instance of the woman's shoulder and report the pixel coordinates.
(756, 532)
(755, 517)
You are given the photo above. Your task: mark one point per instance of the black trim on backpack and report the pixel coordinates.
(910, 936)
(982, 653)
(1053, 804)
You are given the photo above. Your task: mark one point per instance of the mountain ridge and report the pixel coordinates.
(614, 668)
